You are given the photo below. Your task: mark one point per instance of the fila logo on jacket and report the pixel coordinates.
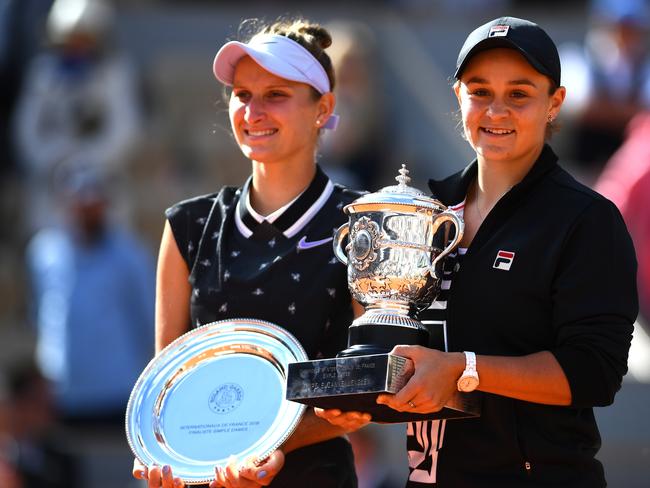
(504, 260)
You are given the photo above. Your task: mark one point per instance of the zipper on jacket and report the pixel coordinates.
(528, 467)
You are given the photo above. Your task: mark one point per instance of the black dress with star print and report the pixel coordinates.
(283, 272)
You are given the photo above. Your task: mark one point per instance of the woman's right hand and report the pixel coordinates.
(156, 477)
(348, 421)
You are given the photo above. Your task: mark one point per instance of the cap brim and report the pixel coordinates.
(232, 52)
(496, 42)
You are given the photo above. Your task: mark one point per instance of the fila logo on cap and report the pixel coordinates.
(504, 260)
(498, 31)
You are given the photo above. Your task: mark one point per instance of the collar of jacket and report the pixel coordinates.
(453, 189)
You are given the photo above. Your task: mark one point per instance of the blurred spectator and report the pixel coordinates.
(9, 477)
(610, 77)
(35, 454)
(355, 154)
(626, 181)
(93, 293)
(78, 98)
(21, 28)
(21, 25)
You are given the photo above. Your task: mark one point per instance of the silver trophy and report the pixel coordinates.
(393, 257)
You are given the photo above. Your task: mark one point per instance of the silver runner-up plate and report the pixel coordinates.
(214, 392)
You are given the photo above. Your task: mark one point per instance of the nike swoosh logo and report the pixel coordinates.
(303, 244)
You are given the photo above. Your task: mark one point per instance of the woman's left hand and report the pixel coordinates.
(432, 383)
(156, 476)
(348, 421)
(249, 475)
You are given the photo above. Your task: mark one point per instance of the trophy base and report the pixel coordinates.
(368, 339)
(353, 383)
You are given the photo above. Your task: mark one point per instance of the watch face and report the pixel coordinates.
(467, 383)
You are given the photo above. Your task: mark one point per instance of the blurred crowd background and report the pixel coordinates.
(109, 113)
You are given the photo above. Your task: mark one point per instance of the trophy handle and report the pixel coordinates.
(339, 235)
(446, 216)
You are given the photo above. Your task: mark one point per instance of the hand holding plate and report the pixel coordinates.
(156, 476)
(249, 474)
(348, 421)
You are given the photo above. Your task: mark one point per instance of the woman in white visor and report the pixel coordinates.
(264, 250)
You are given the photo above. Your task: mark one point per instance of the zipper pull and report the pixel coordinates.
(528, 466)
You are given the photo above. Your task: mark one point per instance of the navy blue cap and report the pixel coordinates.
(510, 32)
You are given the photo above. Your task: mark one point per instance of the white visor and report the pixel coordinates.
(279, 55)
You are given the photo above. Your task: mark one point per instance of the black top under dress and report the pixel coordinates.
(284, 272)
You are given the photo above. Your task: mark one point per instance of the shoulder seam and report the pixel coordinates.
(579, 188)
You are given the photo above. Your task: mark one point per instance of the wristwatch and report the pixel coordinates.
(468, 381)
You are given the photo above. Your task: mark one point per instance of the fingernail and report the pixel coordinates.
(166, 469)
(261, 474)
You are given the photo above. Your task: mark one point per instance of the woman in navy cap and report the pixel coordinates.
(539, 301)
(264, 250)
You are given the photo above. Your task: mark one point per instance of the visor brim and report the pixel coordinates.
(232, 52)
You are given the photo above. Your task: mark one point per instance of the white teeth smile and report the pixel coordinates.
(498, 131)
(256, 133)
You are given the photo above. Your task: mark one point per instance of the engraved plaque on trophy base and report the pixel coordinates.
(353, 383)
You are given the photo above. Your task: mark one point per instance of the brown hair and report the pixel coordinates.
(309, 35)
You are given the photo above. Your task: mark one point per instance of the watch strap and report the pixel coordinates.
(470, 363)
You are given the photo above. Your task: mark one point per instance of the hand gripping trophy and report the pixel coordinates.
(392, 256)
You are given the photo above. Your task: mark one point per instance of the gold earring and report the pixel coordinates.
(551, 117)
